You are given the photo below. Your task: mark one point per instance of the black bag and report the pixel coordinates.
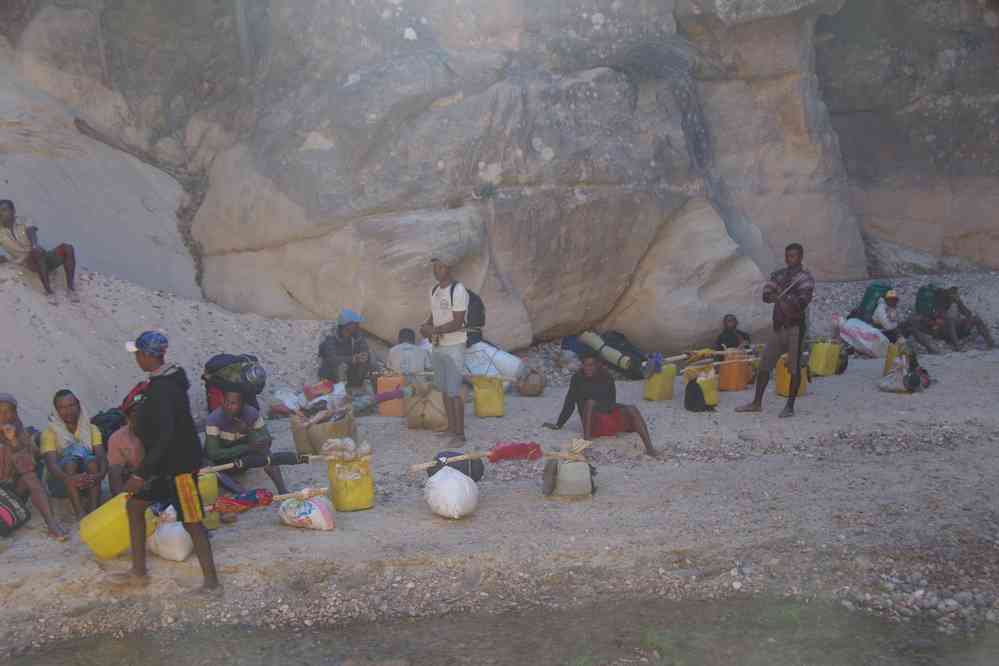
(693, 398)
(475, 315)
(617, 340)
(844, 360)
(474, 469)
(240, 373)
(13, 512)
(108, 422)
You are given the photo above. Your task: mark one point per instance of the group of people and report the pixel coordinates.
(950, 320)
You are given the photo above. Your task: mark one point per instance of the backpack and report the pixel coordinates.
(475, 315)
(869, 303)
(108, 422)
(617, 340)
(13, 512)
(241, 373)
(693, 398)
(926, 300)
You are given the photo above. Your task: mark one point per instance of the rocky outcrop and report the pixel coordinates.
(592, 162)
(914, 97)
(120, 213)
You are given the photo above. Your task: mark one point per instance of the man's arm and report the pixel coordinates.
(569, 406)
(33, 237)
(217, 451)
(156, 449)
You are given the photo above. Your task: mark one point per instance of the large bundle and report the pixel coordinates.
(482, 358)
(425, 410)
(170, 540)
(241, 373)
(13, 512)
(614, 348)
(863, 337)
(451, 494)
(315, 513)
(869, 303)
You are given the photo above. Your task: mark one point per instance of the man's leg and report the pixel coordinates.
(116, 479)
(636, 423)
(983, 330)
(37, 263)
(794, 360)
(770, 355)
(203, 549)
(136, 509)
(458, 414)
(94, 491)
(29, 485)
(950, 333)
(67, 253)
(71, 469)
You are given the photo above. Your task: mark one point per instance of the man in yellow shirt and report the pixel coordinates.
(20, 242)
(75, 462)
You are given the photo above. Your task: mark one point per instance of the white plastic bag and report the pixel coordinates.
(170, 540)
(451, 494)
(863, 337)
(290, 399)
(315, 513)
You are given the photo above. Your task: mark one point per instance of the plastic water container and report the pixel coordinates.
(659, 386)
(352, 488)
(489, 397)
(823, 359)
(735, 371)
(484, 359)
(390, 383)
(105, 531)
(890, 357)
(784, 379)
(208, 488)
(709, 387)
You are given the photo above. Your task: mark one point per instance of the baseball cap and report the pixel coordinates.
(153, 343)
(891, 293)
(348, 316)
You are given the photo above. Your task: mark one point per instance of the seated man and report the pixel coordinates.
(344, 353)
(74, 454)
(20, 242)
(125, 449)
(593, 393)
(407, 359)
(731, 337)
(17, 465)
(952, 320)
(886, 315)
(236, 429)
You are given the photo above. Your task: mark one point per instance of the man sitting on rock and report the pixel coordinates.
(592, 391)
(74, 454)
(17, 465)
(407, 358)
(235, 430)
(20, 242)
(125, 450)
(344, 353)
(953, 320)
(731, 337)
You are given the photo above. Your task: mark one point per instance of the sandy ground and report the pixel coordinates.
(861, 488)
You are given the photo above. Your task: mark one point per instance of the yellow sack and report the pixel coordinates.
(823, 360)
(709, 387)
(659, 386)
(784, 379)
(489, 397)
(425, 410)
(352, 488)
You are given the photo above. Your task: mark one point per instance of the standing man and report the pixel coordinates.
(20, 242)
(168, 472)
(446, 329)
(790, 289)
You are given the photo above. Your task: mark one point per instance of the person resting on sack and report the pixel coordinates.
(125, 450)
(235, 430)
(953, 320)
(17, 466)
(731, 337)
(887, 320)
(75, 463)
(592, 391)
(20, 242)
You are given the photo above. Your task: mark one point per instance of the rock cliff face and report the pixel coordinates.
(639, 165)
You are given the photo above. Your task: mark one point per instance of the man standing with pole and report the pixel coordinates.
(790, 289)
(168, 473)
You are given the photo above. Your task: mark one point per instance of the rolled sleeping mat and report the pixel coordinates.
(609, 354)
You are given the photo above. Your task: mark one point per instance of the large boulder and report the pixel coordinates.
(912, 89)
(120, 213)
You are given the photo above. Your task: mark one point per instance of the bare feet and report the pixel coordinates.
(73, 296)
(751, 408)
(787, 412)
(58, 532)
(53, 299)
(128, 579)
(457, 441)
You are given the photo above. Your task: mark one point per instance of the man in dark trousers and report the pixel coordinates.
(790, 289)
(168, 473)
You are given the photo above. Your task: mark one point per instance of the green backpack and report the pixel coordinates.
(926, 300)
(874, 293)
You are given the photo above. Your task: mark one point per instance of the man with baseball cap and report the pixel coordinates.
(446, 329)
(169, 469)
(886, 315)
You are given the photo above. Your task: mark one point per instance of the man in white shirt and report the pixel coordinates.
(886, 315)
(446, 329)
(408, 359)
